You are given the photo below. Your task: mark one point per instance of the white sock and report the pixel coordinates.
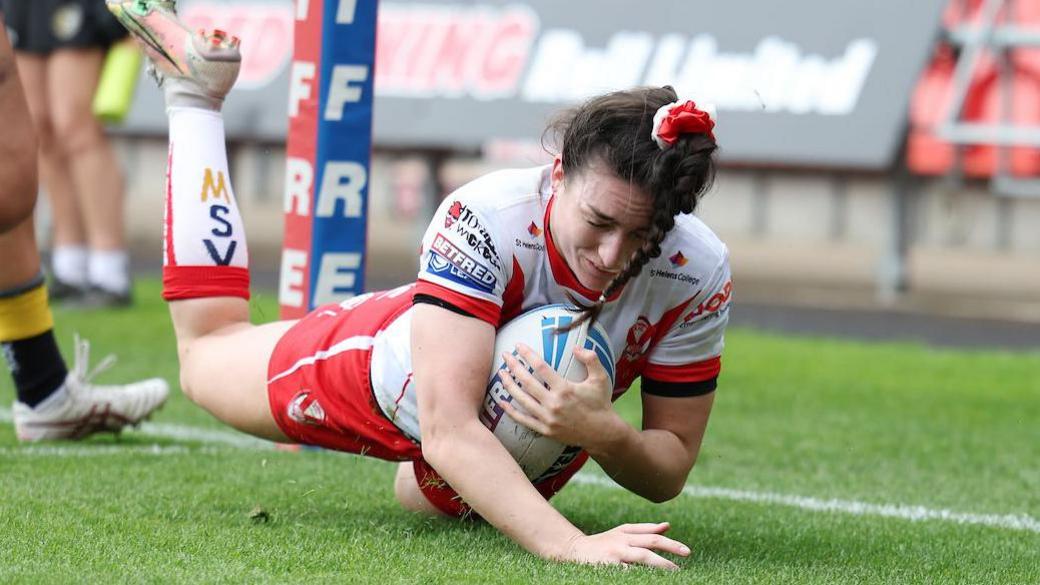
(203, 226)
(70, 264)
(109, 270)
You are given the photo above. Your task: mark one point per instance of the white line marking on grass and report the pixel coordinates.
(185, 433)
(243, 441)
(901, 511)
(107, 450)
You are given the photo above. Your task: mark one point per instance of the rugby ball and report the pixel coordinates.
(540, 329)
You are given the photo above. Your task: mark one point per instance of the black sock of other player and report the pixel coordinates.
(36, 366)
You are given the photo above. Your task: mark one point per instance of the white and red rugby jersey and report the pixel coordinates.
(489, 251)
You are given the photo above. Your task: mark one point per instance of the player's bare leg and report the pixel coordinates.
(72, 76)
(18, 177)
(68, 238)
(205, 267)
(18, 172)
(52, 403)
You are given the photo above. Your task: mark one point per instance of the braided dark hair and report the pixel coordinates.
(614, 131)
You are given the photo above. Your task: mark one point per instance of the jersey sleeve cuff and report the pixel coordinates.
(696, 372)
(678, 389)
(479, 308)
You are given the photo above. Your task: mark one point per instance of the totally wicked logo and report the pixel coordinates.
(454, 213)
(467, 225)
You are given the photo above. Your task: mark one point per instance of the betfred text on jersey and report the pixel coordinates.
(448, 261)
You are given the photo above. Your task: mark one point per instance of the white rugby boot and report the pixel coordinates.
(79, 408)
(193, 68)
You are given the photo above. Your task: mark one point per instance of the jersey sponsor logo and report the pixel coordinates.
(469, 227)
(454, 212)
(304, 409)
(529, 245)
(678, 260)
(448, 261)
(676, 276)
(715, 306)
(535, 232)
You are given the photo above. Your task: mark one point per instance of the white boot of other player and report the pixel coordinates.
(79, 408)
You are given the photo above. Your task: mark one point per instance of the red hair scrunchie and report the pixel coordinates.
(677, 118)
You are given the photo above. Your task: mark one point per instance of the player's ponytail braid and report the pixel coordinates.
(615, 130)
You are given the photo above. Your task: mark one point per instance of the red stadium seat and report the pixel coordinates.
(927, 153)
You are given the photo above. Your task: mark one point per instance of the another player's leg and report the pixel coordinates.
(52, 403)
(72, 80)
(205, 266)
(68, 238)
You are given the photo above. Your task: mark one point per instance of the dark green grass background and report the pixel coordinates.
(878, 423)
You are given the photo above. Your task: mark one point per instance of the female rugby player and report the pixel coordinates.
(608, 225)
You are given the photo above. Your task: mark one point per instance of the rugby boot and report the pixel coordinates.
(80, 408)
(60, 291)
(193, 68)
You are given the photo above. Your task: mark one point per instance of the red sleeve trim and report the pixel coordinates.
(195, 282)
(697, 372)
(479, 308)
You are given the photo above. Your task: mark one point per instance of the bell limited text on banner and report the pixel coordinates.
(813, 83)
(327, 153)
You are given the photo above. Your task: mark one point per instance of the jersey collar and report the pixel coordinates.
(561, 272)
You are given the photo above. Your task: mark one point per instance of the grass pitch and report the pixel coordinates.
(821, 458)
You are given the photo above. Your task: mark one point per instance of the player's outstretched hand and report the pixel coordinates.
(628, 544)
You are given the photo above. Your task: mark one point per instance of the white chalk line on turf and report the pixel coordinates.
(108, 450)
(184, 433)
(1021, 522)
(900, 511)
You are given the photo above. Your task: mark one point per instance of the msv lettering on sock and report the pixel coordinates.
(214, 186)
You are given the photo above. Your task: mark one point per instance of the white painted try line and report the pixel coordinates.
(184, 433)
(851, 507)
(216, 436)
(900, 511)
(108, 450)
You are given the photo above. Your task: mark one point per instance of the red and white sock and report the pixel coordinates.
(204, 244)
